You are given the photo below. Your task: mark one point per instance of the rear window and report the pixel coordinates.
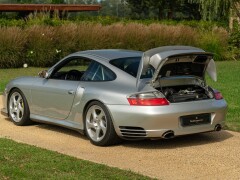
(130, 66)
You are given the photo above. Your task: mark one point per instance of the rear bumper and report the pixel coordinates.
(154, 121)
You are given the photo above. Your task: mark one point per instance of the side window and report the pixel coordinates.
(130, 65)
(98, 72)
(71, 69)
(79, 64)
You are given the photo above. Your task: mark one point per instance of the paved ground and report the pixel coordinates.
(203, 156)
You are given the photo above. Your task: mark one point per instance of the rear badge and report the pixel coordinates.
(196, 120)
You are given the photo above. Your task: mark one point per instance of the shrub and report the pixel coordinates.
(12, 42)
(43, 45)
(215, 41)
(234, 45)
(40, 49)
(10, 23)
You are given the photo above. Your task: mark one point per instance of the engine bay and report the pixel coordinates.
(186, 93)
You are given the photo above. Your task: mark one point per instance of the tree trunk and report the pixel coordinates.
(236, 7)
(160, 13)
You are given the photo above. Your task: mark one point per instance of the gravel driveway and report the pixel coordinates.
(202, 156)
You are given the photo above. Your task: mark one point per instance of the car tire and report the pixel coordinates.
(98, 125)
(18, 108)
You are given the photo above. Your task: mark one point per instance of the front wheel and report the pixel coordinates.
(18, 108)
(98, 125)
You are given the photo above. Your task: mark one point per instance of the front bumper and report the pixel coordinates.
(4, 103)
(154, 121)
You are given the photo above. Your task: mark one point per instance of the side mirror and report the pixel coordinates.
(43, 74)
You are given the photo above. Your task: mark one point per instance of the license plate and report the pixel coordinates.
(196, 119)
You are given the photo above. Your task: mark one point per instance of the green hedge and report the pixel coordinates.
(38, 44)
(43, 18)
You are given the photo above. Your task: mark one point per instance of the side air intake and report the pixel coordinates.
(132, 132)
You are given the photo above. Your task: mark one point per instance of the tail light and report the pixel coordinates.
(147, 99)
(218, 95)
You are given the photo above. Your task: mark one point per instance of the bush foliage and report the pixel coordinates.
(234, 42)
(41, 43)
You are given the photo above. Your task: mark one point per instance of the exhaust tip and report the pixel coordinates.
(218, 127)
(168, 135)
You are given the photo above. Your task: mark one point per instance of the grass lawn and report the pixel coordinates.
(20, 161)
(228, 83)
(7, 74)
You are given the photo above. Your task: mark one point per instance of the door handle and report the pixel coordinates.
(71, 92)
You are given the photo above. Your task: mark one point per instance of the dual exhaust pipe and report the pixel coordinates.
(170, 134)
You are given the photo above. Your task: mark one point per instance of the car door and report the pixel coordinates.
(53, 96)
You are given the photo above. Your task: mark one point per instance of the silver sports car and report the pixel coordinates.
(120, 94)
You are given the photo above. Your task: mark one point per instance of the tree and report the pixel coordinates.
(193, 9)
(214, 9)
(235, 6)
(117, 8)
(186, 10)
(57, 2)
(139, 8)
(162, 9)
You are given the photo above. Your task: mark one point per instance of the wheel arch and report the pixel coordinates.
(25, 118)
(86, 105)
(85, 109)
(110, 137)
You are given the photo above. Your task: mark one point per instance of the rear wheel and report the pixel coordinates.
(18, 108)
(98, 125)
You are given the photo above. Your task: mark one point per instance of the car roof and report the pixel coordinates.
(110, 54)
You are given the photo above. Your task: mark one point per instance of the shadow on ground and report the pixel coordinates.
(61, 130)
(181, 141)
(177, 142)
(55, 128)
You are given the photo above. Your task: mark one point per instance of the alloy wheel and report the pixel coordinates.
(16, 107)
(96, 123)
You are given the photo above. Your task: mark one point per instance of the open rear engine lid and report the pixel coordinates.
(177, 61)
